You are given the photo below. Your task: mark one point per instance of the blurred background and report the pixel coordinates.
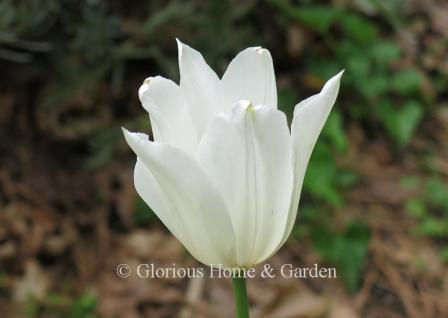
(375, 198)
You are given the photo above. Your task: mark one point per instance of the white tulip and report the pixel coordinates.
(224, 173)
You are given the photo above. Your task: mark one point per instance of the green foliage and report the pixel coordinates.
(401, 124)
(358, 28)
(433, 198)
(143, 215)
(60, 305)
(334, 131)
(30, 307)
(384, 52)
(307, 216)
(83, 307)
(318, 18)
(431, 226)
(287, 99)
(410, 182)
(25, 18)
(95, 37)
(322, 176)
(406, 81)
(324, 180)
(355, 43)
(80, 53)
(103, 146)
(346, 250)
(430, 208)
(437, 193)
(416, 207)
(444, 255)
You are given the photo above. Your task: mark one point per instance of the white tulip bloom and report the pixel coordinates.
(224, 173)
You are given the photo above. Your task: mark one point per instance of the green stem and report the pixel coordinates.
(241, 304)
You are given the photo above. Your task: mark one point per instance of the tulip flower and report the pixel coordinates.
(224, 172)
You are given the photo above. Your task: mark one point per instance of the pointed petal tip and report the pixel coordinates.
(331, 88)
(181, 47)
(132, 136)
(127, 135)
(339, 75)
(124, 130)
(184, 51)
(179, 43)
(334, 81)
(135, 140)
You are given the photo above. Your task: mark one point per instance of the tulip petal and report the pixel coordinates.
(149, 190)
(250, 76)
(185, 199)
(201, 86)
(169, 114)
(309, 119)
(247, 155)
